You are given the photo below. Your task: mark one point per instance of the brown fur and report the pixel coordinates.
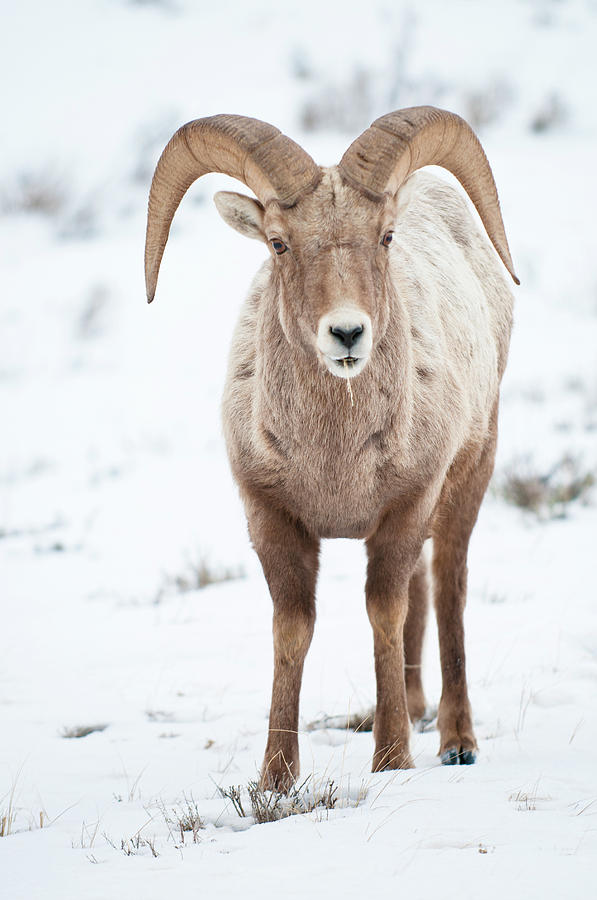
(410, 460)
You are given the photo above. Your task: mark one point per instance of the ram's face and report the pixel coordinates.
(330, 257)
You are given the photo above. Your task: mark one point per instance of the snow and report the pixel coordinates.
(114, 480)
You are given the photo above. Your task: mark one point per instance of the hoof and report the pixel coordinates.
(450, 757)
(454, 757)
(279, 771)
(467, 757)
(395, 756)
(427, 722)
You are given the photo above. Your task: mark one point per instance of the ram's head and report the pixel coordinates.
(328, 230)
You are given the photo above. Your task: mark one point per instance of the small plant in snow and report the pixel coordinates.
(8, 813)
(270, 806)
(89, 324)
(526, 801)
(80, 731)
(547, 494)
(42, 191)
(197, 576)
(88, 836)
(134, 845)
(7, 818)
(184, 819)
(486, 105)
(350, 104)
(550, 115)
(346, 106)
(359, 721)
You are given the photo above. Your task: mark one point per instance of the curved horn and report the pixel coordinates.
(267, 161)
(397, 144)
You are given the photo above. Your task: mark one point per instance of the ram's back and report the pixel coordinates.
(460, 304)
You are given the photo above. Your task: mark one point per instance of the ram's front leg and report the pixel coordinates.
(289, 557)
(392, 559)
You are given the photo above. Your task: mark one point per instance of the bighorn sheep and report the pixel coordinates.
(380, 276)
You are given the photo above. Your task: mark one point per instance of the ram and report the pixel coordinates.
(362, 391)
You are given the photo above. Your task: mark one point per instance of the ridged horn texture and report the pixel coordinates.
(267, 161)
(397, 144)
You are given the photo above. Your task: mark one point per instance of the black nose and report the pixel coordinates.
(347, 336)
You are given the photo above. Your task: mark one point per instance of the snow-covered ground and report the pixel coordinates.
(114, 481)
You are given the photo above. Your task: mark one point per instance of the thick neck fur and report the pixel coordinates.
(305, 406)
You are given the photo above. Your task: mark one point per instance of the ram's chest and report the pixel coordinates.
(335, 489)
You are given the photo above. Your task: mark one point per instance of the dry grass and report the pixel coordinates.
(159, 715)
(526, 801)
(550, 115)
(7, 816)
(92, 316)
(43, 191)
(184, 819)
(350, 104)
(348, 384)
(487, 104)
(8, 813)
(346, 106)
(359, 721)
(80, 731)
(197, 576)
(547, 493)
(271, 806)
(133, 846)
(88, 836)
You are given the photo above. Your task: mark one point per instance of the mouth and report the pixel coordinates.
(347, 362)
(345, 366)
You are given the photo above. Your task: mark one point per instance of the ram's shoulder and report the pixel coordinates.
(428, 198)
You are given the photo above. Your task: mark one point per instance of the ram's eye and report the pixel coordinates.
(387, 238)
(278, 246)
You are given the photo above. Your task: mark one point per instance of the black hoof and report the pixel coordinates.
(468, 757)
(450, 757)
(454, 757)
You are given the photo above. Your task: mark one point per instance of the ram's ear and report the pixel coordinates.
(242, 213)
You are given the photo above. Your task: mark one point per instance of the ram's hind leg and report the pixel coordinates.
(414, 632)
(289, 557)
(457, 514)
